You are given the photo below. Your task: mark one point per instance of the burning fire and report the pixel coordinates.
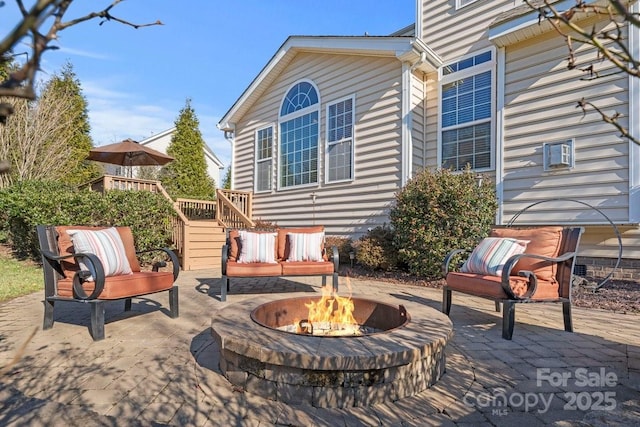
(330, 315)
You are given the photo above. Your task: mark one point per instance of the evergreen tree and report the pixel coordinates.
(186, 176)
(77, 137)
(226, 184)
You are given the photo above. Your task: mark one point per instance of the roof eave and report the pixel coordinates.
(523, 22)
(404, 48)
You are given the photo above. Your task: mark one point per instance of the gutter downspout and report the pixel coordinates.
(407, 117)
(229, 134)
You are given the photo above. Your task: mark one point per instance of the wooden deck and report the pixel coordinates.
(200, 226)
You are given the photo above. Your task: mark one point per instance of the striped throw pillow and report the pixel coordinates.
(491, 254)
(305, 246)
(106, 245)
(257, 247)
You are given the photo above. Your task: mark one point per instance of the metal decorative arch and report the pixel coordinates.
(562, 199)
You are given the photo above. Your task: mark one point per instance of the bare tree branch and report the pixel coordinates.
(21, 83)
(611, 44)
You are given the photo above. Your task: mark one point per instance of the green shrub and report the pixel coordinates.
(262, 225)
(148, 214)
(439, 211)
(343, 244)
(30, 203)
(376, 249)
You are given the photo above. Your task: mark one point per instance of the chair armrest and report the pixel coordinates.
(530, 275)
(335, 257)
(225, 258)
(80, 276)
(448, 258)
(172, 257)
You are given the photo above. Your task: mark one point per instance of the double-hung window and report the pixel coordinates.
(340, 118)
(264, 159)
(299, 130)
(466, 113)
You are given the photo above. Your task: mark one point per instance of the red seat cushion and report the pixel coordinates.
(306, 268)
(258, 269)
(491, 287)
(129, 285)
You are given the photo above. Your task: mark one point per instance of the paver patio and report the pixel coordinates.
(154, 370)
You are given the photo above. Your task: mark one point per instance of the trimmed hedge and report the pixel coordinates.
(27, 204)
(376, 249)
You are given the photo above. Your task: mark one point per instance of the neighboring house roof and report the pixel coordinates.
(405, 49)
(167, 133)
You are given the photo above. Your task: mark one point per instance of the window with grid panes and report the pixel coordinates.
(466, 113)
(299, 127)
(264, 160)
(340, 140)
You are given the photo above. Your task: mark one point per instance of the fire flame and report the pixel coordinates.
(332, 314)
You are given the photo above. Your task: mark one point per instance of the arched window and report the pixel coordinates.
(299, 127)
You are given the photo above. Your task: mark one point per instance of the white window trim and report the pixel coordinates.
(444, 79)
(353, 140)
(464, 3)
(291, 116)
(256, 161)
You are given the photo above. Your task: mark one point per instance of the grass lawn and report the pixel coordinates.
(18, 278)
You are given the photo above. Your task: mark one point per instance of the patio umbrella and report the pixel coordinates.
(128, 153)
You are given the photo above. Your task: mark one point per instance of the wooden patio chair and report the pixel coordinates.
(83, 277)
(542, 273)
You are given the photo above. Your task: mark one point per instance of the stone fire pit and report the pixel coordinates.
(330, 371)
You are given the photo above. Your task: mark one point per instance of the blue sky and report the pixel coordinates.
(137, 81)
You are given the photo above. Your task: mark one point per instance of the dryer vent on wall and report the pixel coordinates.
(558, 155)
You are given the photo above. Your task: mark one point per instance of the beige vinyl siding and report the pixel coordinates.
(601, 242)
(432, 109)
(343, 208)
(453, 33)
(418, 87)
(541, 96)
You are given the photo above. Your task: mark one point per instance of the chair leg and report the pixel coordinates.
(335, 282)
(173, 302)
(566, 312)
(224, 287)
(324, 280)
(508, 319)
(446, 300)
(97, 320)
(497, 306)
(48, 314)
(127, 304)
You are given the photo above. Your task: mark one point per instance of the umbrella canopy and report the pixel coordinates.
(128, 153)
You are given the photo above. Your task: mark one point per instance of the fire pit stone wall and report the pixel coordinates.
(334, 372)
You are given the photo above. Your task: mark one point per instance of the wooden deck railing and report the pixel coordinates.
(112, 182)
(198, 226)
(234, 208)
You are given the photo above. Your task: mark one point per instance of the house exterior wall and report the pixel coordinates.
(453, 33)
(418, 123)
(345, 208)
(536, 103)
(540, 105)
